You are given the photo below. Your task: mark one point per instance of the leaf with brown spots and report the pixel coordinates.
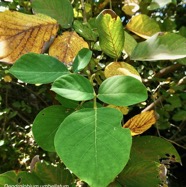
(141, 122)
(66, 47)
(22, 33)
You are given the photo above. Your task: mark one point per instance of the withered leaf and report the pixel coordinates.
(22, 33)
(141, 122)
(66, 46)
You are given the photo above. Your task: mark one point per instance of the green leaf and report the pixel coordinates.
(111, 33)
(38, 68)
(140, 174)
(81, 60)
(93, 145)
(122, 91)
(152, 148)
(143, 26)
(85, 30)
(74, 87)
(179, 116)
(47, 121)
(155, 4)
(62, 11)
(19, 178)
(53, 175)
(161, 46)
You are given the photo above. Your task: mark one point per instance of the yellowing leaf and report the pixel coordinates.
(130, 7)
(123, 109)
(121, 68)
(143, 26)
(22, 33)
(66, 47)
(141, 122)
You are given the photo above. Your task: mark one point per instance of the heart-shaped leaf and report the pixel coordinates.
(74, 87)
(47, 122)
(99, 149)
(62, 11)
(38, 68)
(22, 33)
(111, 33)
(122, 90)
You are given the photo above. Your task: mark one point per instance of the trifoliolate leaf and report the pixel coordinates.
(74, 87)
(53, 174)
(66, 47)
(62, 11)
(100, 147)
(38, 68)
(47, 121)
(81, 60)
(22, 33)
(161, 46)
(141, 122)
(121, 68)
(143, 26)
(122, 90)
(19, 178)
(111, 33)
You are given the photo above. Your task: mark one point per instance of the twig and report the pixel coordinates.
(83, 11)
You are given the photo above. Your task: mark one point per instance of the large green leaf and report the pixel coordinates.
(74, 87)
(93, 145)
(46, 124)
(111, 34)
(38, 68)
(81, 60)
(161, 46)
(53, 175)
(122, 91)
(140, 174)
(61, 10)
(152, 148)
(143, 26)
(19, 178)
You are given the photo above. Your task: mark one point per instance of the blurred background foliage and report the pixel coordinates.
(165, 80)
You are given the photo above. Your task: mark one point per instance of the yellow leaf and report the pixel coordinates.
(121, 68)
(22, 33)
(66, 47)
(141, 122)
(123, 109)
(7, 78)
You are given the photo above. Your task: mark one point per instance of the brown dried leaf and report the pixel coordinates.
(22, 33)
(66, 47)
(141, 122)
(123, 109)
(121, 68)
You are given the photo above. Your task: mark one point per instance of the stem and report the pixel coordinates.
(95, 103)
(83, 11)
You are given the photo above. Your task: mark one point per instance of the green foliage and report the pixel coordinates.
(73, 124)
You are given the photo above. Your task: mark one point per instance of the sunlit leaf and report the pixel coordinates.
(61, 10)
(130, 7)
(111, 33)
(121, 68)
(22, 33)
(38, 68)
(155, 4)
(122, 90)
(66, 47)
(141, 122)
(161, 46)
(143, 26)
(100, 147)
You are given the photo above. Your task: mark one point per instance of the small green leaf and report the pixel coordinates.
(81, 60)
(155, 4)
(47, 122)
(122, 91)
(143, 26)
(111, 33)
(74, 87)
(179, 116)
(140, 174)
(19, 178)
(93, 145)
(38, 68)
(62, 11)
(53, 175)
(161, 46)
